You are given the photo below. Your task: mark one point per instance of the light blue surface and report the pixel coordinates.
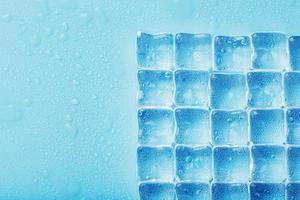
(68, 86)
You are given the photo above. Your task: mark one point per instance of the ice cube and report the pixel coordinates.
(293, 126)
(270, 51)
(232, 53)
(156, 126)
(231, 164)
(292, 88)
(192, 126)
(293, 162)
(193, 51)
(192, 191)
(294, 47)
(267, 191)
(155, 51)
(230, 191)
(267, 126)
(228, 91)
(192, 88)
(194, 164)
(155, 88)
(155, 163)
(157, 191)
(265, 89)
(229, 127)
(268, 163)
(293, 191)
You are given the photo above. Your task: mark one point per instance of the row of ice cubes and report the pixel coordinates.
(259, 89)
(230, 53)
(260, 163)
(219, 191)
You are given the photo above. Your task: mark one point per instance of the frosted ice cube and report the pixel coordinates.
(232, 53)
(229, 127)
(267, 126)
(192, 191)
(155, 163)
(293, 191)
(293, 162)
(192, 126)
(232, 191)
(265, 89)
(268, 163)
(292, 88)
(193, 51)
(157, 191)
(293, 126)
(155, 88)
(231, 164)
(192, 88)
(155, 51)
(194, 164)
(294, 47)
(228, 91)
(270, 51)
(267, 191)
(156, 126)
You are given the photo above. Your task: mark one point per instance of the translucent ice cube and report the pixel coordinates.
(267, 126)
(265, 89)
(155, 88)
(232, 53)
(293, 162)
(232, 191)
(229, 127)
(231, 164)
(293, 126)
(192, 126)
(228, 91)
(294, 46)
(270, 51)
(192, 88)
(293, 191)
(157, 191)
(292, 88)
(267, 191)
(268, 163)
(155, 163)
(192, 191)
(156, 126)
(194, 164)
(193, 51)
(155, 51)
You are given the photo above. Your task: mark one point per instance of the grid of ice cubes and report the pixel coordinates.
(218, 117)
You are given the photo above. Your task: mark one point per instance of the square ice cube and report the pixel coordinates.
(156, 126)
(293, 162)
(194, 163)
(192, 191)
(155, 163)
(229, 127)
(293, 126)
(155, 88)
(267, 126)
(270, 51)
(232, 53)
(231, 164)
(193, 51)
(157, 191)
(192, 126)
(192, 88)
(265, 89)
(293, 191)
(292, 88)
(267, 191)
(268, 163)
(155, 51)
(228, 91)
(230, 191)
(294, 47)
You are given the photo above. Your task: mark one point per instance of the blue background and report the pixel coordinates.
(68, 86)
